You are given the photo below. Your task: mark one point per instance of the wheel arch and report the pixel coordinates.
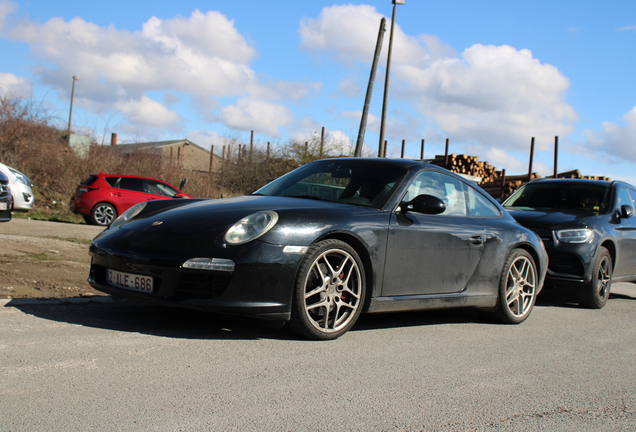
(115, 206)
(611, 248)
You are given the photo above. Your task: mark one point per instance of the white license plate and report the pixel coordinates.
(3, 206)
(130, 281)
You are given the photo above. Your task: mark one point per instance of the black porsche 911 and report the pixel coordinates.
(324, 243)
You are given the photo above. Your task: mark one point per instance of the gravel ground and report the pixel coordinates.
(45, 259)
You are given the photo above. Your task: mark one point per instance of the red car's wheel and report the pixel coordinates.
(103, 214)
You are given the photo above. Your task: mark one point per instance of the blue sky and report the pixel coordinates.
(486, 75)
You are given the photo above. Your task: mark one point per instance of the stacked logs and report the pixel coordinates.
(505, 185)
(471, 165)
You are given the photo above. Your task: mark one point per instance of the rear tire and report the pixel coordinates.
(103, 214)
(329, 291)
(595, 294)
(517, 288)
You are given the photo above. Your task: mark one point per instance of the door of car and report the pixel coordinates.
(128, 191)
(432, 254)
(625, 232)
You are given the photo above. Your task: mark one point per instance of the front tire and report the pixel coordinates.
(595, 294)
(103, 214)
(329, 292)
(517, 288)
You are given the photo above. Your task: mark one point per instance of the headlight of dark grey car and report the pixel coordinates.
(581, 235)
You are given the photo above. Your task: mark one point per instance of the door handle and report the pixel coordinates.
(477, 240)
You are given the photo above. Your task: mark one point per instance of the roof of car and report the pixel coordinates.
(396, 161)
(583, 181)
(102, 174)
(569, 180)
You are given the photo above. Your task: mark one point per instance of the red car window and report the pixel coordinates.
(158, 188)
(134, 184)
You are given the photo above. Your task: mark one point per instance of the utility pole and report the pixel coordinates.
(367, 100)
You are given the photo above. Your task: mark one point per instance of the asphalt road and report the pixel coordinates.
(97, 364)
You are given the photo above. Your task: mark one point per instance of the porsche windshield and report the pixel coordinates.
(561, 196)
(365, 183)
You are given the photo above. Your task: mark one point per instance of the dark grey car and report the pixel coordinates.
(588, 230)
(6, 200)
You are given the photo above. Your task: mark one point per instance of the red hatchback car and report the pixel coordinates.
(102, 197)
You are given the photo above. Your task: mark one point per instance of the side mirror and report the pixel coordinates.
(184, 181)
(179, 195)
(427, 204)
(626, 211)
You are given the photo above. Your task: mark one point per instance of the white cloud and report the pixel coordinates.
(202, 53)
(258, 115)
(627, 28)
(150, 114)
(495, 95)
(202, 57)
(14, 86)
(615, 140)
(351, 33)
(6, 8)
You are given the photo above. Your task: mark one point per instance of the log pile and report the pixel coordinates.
(471, 165)
(504, 186)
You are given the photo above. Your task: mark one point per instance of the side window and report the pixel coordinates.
(479, 206)
(446, 188)
(623, 198)
(632, 192)
(134, 184)
(158, 188)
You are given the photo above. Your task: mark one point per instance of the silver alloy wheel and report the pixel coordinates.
(104, 214)
(604, 278)
(520, 286)
(332, 291)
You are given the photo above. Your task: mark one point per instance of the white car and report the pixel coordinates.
(20, 186)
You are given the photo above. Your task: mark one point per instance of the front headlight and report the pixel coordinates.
(128, 215)
(20, 177)
(251, 227)
(581, 235)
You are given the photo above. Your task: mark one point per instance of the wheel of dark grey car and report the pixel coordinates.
(594, 295)
(517, 288)
(329, 292)
(103, 214)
